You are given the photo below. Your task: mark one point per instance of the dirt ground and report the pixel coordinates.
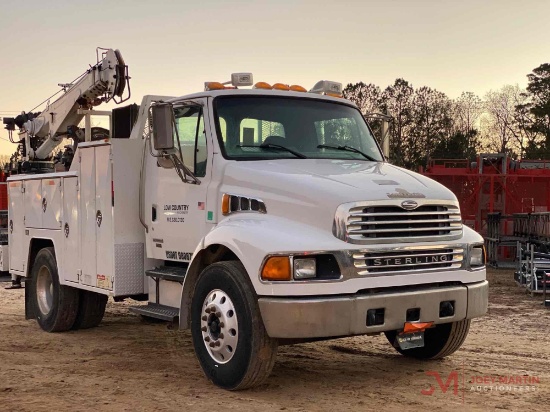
(127, 364)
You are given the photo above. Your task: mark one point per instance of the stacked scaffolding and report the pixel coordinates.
(494, 184)
(531, 240)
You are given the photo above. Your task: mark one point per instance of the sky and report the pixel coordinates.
(173, 46)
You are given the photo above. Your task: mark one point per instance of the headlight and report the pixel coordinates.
(477, 256)
(305, 268)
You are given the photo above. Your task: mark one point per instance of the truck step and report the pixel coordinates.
(175, 274)
(157, 311)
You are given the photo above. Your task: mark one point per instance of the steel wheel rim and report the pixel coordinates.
(44, 290)
(219, 326)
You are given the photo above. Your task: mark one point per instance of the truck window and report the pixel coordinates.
(190, 124)
(299, 124)
(338, 132)
(256, 131)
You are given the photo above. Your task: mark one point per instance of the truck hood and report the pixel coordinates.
(311, 189)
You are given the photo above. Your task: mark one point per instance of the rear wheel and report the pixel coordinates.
(56, 306)
(91, 309)
(229, 337)
(440, 341)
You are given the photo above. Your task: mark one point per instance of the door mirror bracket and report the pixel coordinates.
(163, 119)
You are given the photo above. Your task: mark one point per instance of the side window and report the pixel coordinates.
(192, 138)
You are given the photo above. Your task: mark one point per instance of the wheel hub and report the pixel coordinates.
(44, 290)
(219, 326)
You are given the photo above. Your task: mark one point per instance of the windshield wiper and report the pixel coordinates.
(347, 148)
(276, 146)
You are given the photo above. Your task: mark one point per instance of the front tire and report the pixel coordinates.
(229, 336)
(56, 306)
(442, 340)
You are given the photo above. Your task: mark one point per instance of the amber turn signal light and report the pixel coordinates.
(225, 203)
(277, 268)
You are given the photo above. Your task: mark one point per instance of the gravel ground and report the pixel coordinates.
(127, 364)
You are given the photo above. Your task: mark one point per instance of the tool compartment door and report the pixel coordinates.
(16, 226)
(51, 203)
(104, 217)
(88, 216)
(71, 230)
(33, 203)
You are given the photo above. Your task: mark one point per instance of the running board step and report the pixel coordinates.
(175, 274)
(157, 311)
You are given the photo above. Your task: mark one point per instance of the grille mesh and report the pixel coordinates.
(435, 222)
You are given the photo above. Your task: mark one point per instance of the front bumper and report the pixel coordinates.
(295, 318)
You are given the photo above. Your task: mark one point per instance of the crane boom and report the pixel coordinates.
(103, 82)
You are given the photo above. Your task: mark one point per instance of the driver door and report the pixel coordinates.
(177, 210)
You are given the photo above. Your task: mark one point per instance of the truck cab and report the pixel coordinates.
(254, 217)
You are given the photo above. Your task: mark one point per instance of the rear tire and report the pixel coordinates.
(55, 306)
(441, 341)
(225, 313)
(91, 309)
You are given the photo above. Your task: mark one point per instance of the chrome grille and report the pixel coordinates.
(408, 260)
(392, 223)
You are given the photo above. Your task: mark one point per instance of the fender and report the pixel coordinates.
(250, 238)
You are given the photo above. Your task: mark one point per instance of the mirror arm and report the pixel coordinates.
(179, 166)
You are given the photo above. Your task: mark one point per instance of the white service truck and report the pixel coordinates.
(253, 216)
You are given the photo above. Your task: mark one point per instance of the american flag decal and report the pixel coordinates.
(201, 206)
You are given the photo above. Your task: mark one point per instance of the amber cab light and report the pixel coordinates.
(262, 85)
(225, 203)
(281, 86)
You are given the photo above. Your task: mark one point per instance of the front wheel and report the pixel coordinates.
(229, 336)
(440, 341)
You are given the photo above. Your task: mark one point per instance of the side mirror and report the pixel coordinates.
(163, 127)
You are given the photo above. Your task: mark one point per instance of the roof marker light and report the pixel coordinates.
(297, 88)
(213, 86)
(328, 88)
(281, 86)
(262, 85)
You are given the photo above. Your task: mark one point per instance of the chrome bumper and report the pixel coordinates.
(346, 316)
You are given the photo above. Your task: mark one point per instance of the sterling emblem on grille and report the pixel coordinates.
(409, 204)
(413, 260)
(403, 193)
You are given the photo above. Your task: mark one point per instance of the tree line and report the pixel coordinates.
(426, 123)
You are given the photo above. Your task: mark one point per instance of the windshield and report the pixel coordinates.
(259, 127)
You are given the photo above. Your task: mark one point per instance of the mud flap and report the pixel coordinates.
(29, 306)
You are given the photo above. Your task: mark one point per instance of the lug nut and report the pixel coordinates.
(220, 336)
(218, 314)
(217, 343)
(203, 328)
(207, 339)
(204, 318)
(207, 310)
(222, 324)
(212, 344)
